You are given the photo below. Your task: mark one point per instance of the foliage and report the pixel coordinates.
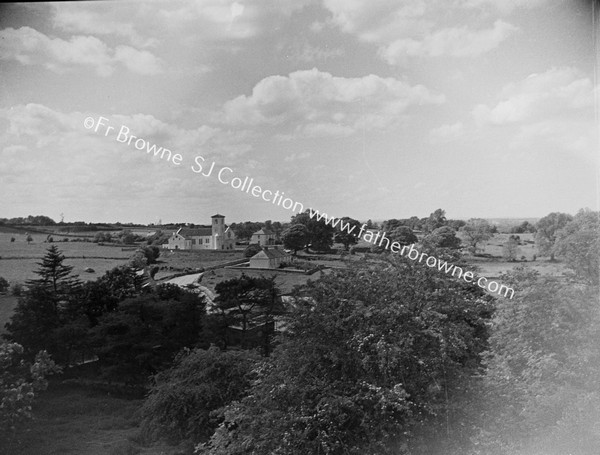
(343, 236)
(295, 237)
(182, 400)
(127, 237)
(375, 351)
(142, 335)
(436, 220)
(578, 243)
(476, 230)
(510, 249)
(249, 301)
(16, 289)
(319, 234)
(442, 237)
(541, 390)
(19, 381)
(244, 231)
(523, 228)
(55, 276)
(547, 229)
(3, 284)
(46, 305)
(251, 250)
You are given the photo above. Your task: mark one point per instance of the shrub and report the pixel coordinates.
(3, 284)
(182, 399)
(16, 289)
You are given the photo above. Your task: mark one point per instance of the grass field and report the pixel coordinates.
(70, 420)
(18, 258)
(491, 263)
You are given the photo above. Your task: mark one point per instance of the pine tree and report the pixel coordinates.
(55, 276)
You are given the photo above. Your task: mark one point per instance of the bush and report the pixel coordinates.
(17, 289)
(183, 399)
(3, 284)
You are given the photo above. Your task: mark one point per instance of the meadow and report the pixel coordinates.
(19, 259)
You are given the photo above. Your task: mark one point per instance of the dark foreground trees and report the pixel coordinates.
(374, 353)
(183, 399)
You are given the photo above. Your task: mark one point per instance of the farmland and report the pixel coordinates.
(19, 258)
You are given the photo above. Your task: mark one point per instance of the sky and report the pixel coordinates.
(373, 109)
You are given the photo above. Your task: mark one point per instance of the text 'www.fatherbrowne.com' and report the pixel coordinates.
(379, 238)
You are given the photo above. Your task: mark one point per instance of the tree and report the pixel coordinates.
(143, 334)
(403, 235)
(370, 354)
(541, 393)
(547, 228)
(251, 250)
(182, 400)
(476, 230)
(3, 284)
(295, 237)
(47, 305)
(443, 237)
(249, 302)
(436, 220)
(510, 250)
(349, 235)
(127, 237)
(578, 243)
(319, 233)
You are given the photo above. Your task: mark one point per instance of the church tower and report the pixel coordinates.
(218, 231)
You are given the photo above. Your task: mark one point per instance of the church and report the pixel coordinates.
(216, 237)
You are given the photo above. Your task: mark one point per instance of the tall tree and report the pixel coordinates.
(546, 230)
(295, 237)
(443, 237)
(436, 220)
(250, 301)
(578, 243)
(320, 234)
(349, 234)
(476, 230)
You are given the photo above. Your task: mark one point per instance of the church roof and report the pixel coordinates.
(195, 232)
(263, 232)
(218, 216)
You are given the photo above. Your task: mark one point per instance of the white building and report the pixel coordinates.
(269, 258)
(264, 237)
(216, 237)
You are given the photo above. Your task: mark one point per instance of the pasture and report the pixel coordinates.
(19, 259)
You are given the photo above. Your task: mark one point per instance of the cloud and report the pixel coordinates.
(315, 103)
(418, 28)
(218, 20)
(30, 47)
(455, 42)
(96, 18)
(504, 6)
(557, 91)
(447, 133)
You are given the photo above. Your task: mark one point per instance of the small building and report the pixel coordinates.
(269, 258)
(264, 237)
(218, 236)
